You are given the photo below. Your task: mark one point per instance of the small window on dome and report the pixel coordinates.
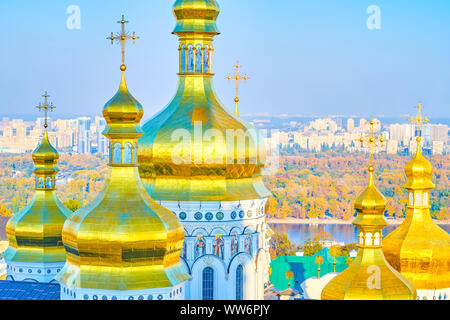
(206, 60)
(183, 58)
(190, 60)
(198, 59)
(411, 199)
(425, 199)
(418, 200)
(117, 153)
(127, 154)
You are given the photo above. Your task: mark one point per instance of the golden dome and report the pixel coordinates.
(419, 248)
(195, 149)
(123, 240)
(369, 276)
(123, 114)
(197, 16)
(45, 157)
(419, 171)
(34, 233)
(370, 201)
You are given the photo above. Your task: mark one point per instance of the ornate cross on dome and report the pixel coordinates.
(237, 78)
(371, 140)
(419, 121)
(45, 107)
(122, 38)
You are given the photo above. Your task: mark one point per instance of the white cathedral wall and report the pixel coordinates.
(244, 220)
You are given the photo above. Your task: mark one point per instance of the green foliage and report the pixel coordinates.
(73, 205)
(280, 245)
(312, 246)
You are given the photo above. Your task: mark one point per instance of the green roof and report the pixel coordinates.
(303, 268)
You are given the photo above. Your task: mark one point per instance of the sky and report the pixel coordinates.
(303, 57)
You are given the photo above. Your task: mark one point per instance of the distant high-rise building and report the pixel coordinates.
(350, 124)
(83, 135)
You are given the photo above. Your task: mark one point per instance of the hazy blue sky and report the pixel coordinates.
(311, 57)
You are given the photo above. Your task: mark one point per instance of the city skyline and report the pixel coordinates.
(358, 71)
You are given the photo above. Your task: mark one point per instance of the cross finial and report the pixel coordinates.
(122, 38)
(46, 108)
(237, 78)
(371, 140)
(419, 121)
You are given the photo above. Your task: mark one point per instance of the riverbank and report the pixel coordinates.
(335, 221)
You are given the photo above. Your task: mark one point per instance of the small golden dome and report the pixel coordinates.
(198, 16)
(370, 200)
(45, 157)
(419, 171)
(123, 114)
(34, 233)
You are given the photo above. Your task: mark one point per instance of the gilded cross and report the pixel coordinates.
(45, 107)
(237, 78)
(419, 121)
(371, 140)
(122, 38)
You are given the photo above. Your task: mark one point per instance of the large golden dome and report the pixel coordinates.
(123, 240)
(419, 248)
(196, 149)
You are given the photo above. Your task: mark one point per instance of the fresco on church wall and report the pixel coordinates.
(218, 246)
(248, 243)
(200, 247)
(234, 245)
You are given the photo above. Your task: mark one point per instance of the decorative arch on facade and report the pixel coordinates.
(248, 264)
(217, 231)
(220, 279)
(236, 230)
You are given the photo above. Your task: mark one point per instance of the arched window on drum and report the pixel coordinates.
(206, 57)
(117, 152)
(111, 152)
(41, 183)
(127, 153)
(198, 59)
(190, 59)
(135, 153)
(183, 58)
(48, 183)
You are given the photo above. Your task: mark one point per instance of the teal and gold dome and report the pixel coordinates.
(35, 232)
(195, 148)
(197, 16)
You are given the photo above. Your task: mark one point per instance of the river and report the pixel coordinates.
(346, 233)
